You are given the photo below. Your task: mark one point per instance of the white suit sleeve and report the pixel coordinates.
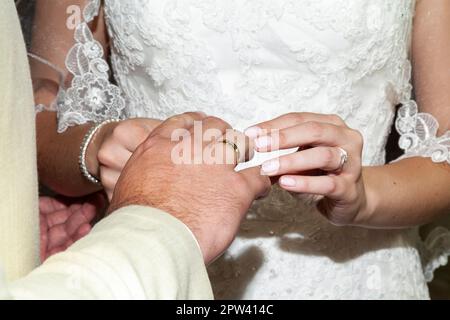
(136, 253)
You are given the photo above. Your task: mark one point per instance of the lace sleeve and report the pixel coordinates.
(425, 126)
(418, 135)
(84, 93)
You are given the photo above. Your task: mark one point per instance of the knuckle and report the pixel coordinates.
(336, 119)
(176, 118)
(359, 138)
(297, 116)
(291, 114)
(186, 117)
(213, 118)
(104, 156)
(119, 131)
(217, 121)
(194, 114)
(315, 129)
(240, 181)
(141, 133)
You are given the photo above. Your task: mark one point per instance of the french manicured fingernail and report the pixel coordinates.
(270, 167)
(253, 132)
(263, 142)
(287, 182)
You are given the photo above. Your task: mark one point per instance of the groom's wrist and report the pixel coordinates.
(204, 241)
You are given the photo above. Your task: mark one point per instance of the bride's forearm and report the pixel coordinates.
(416, 191)
(52, 41)
(58, 153)
(58, 157)
(407, 193)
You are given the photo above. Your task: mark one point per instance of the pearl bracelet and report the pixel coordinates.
(90, 135)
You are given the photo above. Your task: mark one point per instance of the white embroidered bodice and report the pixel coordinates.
(248, 61)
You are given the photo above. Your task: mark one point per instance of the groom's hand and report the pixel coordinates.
(210, 198)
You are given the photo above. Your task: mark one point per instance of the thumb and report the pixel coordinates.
(259, 184)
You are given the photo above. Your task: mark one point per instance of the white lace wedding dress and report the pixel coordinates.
(251, 60)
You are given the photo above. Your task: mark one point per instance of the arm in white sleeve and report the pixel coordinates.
(136, 253)
(425, 126)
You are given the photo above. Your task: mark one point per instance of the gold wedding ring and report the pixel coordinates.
(235, 147)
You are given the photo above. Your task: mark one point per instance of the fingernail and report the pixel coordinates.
(287, 182)
(271, 166)
(253, 132)
(263, 142)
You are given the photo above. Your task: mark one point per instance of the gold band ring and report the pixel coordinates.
(235, 147)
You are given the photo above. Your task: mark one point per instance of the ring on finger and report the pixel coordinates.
(235, 147)
(343, 159)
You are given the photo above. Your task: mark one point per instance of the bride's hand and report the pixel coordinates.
(113, 146)
(324, 141)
